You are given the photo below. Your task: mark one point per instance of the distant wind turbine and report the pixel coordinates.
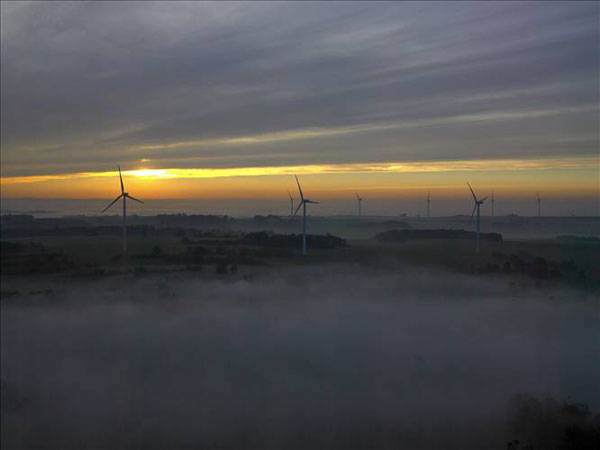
(125, 196)
(428, 203)
(492, 203)
(359, 203)
(303, 203)
(291, 203)
(539, 201)
(478, 203)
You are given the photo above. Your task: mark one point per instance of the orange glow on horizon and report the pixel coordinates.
(568, 176)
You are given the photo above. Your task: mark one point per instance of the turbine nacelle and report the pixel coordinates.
(477, 201)
(303, 201)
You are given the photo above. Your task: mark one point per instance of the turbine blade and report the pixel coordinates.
(474, 198)
(121, 179)
(134, 199)
(112, 203)
(357, 196)
(299, 188)
(483, 199)
(290, 195)
(296, 212)
(473, 213)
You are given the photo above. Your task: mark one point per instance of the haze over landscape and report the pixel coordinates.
(300, 225)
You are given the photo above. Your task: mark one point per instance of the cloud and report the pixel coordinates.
(246, 84)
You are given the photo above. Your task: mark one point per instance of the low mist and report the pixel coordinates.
(294, 359)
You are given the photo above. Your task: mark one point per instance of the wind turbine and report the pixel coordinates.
(303, 203)
(492, 203)
(428, 203)
(478, 203)
(539, 201)
(359, 200)
(125, 196)
(291, 203)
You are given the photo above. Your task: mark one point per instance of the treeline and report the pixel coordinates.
(538, 268)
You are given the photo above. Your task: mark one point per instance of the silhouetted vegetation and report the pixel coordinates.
(92, 246)
(541, 268)
(31, 258)
(550, 425)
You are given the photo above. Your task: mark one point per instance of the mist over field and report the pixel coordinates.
(299, 225)
(335, 356)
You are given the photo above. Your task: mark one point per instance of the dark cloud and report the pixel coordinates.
(86, 83)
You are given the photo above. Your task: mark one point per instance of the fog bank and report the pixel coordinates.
(298, 359)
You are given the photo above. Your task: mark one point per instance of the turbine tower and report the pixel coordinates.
(428, 203)
(539, 201)
(303, 203)
(492, 203)
(291, 203)
(478, 203)
(125, 196)
(359, 204)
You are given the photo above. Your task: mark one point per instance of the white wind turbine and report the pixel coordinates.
(359, 200)
(125, 196)
(478, 204)
(291, 203)
(303, 203)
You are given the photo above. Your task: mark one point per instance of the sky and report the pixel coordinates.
(229, 100)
